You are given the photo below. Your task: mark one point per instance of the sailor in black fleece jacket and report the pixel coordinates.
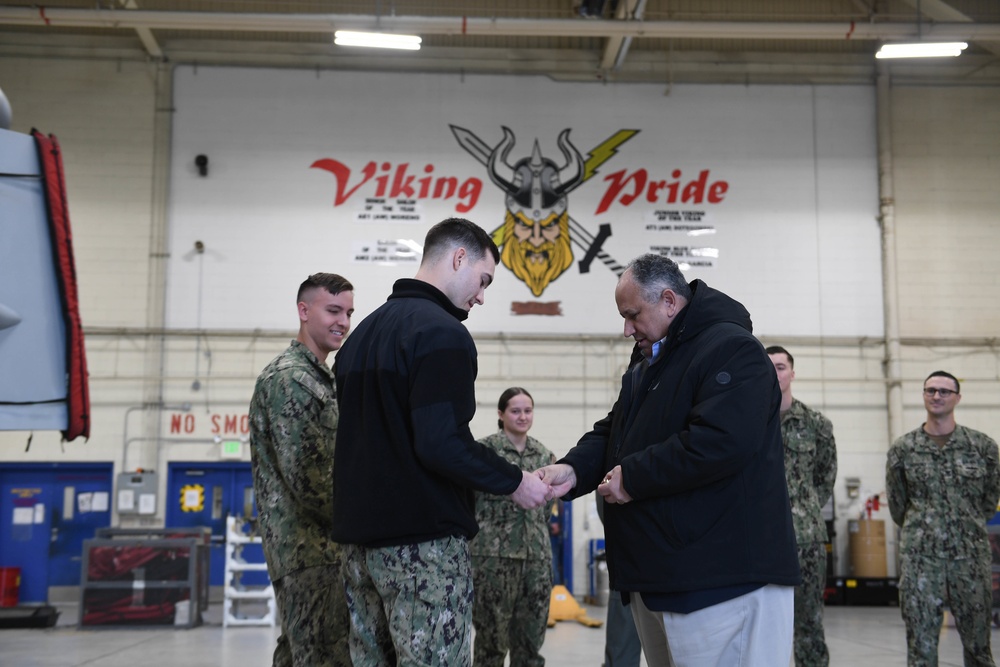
(406, 463)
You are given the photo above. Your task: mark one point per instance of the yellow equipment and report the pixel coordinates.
(562, 607)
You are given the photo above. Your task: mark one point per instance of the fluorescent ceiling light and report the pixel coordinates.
(380, 40)
(921, 50)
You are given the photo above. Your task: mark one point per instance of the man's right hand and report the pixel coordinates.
(532, 492)
(560, 476)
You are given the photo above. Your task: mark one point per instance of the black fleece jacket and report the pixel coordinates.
(699, 443)
(406, 464)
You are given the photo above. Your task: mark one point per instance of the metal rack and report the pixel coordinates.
(238, 596)
(202, 533)
(129, 581)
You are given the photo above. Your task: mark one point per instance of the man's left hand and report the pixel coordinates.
(611, 488)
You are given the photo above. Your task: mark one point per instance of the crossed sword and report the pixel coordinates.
(590, 244)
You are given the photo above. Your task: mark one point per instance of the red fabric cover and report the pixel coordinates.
(54, 184)
(119, 562)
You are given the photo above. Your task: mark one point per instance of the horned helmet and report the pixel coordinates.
(537, 188)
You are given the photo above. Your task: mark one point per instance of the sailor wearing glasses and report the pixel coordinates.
(943, 482)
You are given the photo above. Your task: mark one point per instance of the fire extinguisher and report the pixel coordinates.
(871, 505)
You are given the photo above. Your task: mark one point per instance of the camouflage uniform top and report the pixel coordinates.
(810, 468)
(943, 496)
(293, 425)
(504, 528)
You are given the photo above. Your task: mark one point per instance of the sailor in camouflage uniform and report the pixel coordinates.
(512, 554)
(943, 482)
(810, 471)
(293, 426)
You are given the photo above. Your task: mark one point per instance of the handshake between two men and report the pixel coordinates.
(554, 481)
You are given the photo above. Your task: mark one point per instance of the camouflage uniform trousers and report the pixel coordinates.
(810, 641)
(411, 605)
(511, 610)
(314, 621)
(924, 587)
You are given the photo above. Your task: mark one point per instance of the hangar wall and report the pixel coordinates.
(105, 113)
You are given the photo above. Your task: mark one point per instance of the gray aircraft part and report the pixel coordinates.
(33, 384)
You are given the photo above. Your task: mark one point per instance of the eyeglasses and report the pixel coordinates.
(945, 393)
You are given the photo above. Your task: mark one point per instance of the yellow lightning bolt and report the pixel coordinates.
(605, 150)
(497, 235)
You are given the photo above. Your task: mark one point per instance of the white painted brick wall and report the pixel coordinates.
(947, 182)
(102, 115)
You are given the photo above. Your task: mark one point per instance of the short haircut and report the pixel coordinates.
(777, 349)
(458, 232)
(331, 282)
(945, 374)
(505, 400)
(655, 273)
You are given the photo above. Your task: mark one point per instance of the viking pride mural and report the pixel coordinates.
(536, 235)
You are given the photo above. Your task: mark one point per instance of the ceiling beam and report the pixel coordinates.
(458, 25)
(145, 34)
(617, 46)
(646, 66)
(937, 10)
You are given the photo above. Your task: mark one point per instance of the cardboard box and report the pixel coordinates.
(868, 556)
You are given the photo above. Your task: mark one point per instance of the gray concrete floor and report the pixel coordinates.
(857, 637)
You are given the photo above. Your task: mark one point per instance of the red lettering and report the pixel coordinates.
(189, 423)
(626, 188)
(618, 183)
(672, 188)
(717, 191)
(694, 192)
(230, 424)
(654, 187)
(402, 184)
(342, 174)
(175, 423)
(445, 187)
(382, 180)
(425, 182)
(469, 192)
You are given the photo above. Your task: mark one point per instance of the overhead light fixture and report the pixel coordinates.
(921, 50)
(378, 40)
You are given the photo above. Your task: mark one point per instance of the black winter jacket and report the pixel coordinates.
(702, 458)
(406, 464)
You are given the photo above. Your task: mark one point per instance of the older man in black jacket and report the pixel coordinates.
(690, 462)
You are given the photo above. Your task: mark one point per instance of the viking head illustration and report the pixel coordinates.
(535, 237)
